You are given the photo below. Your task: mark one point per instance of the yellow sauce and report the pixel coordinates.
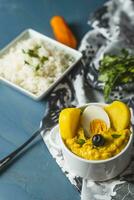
(113, 145)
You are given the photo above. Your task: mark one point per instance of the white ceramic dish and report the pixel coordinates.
(32, 33)
(99, 170)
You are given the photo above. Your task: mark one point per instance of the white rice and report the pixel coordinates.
(14, 68)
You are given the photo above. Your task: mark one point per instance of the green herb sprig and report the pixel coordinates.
(116, 135)
(116, 70)
(80, 141)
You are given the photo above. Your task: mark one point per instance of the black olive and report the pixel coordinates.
(98, 140)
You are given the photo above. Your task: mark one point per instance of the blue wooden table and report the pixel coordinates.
(35, 174)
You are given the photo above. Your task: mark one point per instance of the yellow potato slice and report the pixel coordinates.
(119, 114)
(69, 122)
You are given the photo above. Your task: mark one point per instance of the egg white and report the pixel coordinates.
(91, 113)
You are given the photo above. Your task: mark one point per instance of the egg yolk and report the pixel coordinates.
(97, 126)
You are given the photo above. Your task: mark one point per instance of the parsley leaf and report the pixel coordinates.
(80, 141)
(116, 70)
(115, 135)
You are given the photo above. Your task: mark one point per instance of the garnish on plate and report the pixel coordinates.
(115, 135)
(98, 140)
(80, 141)
(33, 53)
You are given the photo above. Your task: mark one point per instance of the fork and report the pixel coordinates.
(48, 121)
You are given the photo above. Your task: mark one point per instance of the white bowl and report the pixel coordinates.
(97, 170)
(30, 33)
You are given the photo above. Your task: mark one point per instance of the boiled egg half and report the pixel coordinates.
(94, 120)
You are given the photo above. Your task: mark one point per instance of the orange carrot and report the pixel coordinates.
(62, 31)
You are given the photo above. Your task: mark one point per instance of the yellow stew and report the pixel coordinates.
(83, 147)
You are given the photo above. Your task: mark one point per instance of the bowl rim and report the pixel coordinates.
(97, 161)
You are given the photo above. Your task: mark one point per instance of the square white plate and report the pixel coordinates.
(30, 33)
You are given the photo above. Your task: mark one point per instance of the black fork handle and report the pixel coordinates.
(5, 161)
